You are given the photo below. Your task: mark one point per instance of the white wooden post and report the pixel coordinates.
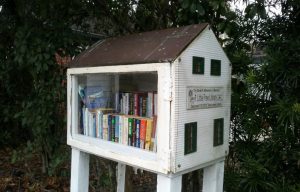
(169, 184)
(213, 177)
(79, 171)
(121, 177)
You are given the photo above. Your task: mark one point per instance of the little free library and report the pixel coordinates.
(158, 101)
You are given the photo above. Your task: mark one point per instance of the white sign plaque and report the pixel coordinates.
(204, 97)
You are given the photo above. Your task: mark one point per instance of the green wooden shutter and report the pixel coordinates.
(190, 138)
(215, 67)
(218, 131)
(198, 65)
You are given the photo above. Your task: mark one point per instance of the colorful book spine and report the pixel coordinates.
(125, 132)
(148, 134)
(105, 127)
(113, 128)
(94, 128)
(109, 127)
(143, 127)
(126, 103)
(137, 131)
(136, 104)
(144, 106)
(133, 121)
(116, 117)
(121, 129)
(130, 126)
(133, 137)
(100, 124)
(150, 104)
(140, 105)
(131, 104)
(153, 135)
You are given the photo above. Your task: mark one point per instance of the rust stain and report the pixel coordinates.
(149, 47)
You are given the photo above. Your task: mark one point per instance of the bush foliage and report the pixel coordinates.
(265, 132)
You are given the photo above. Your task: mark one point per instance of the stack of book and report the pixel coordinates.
(143, 104)
(132, 122)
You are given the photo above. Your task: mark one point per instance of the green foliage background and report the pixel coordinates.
(265, 133)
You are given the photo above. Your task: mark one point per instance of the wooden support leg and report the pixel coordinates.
(169, 184)
(213, 177)
(79, 171)
(121, 177)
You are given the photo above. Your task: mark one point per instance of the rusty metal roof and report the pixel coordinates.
(148, 47)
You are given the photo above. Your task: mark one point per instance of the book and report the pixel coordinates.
(126, 103)
(148, 134)
(109, 127)
(133, 137)
(85, 121)
(99, 120)
(81, 121)
(90, 124)
(99, 125)
(144, 106)
(125, 132)
(123, 103)
(143, 127)
(149, 108)
(153, 135)
(94, 128)
(105, 127)
(136, 104)
(130, 127)
(95, 97)
(155, 104)
(121, 129)
(142, 97)
(131, 104)
(137, 131)
(117, 102)
(112, 128)
(132, 122)
(116, 139)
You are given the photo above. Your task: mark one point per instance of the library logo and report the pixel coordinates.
(204, 97)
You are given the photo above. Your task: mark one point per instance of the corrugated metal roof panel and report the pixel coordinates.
(149, 47)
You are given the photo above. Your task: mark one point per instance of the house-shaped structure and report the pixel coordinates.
(157, 100)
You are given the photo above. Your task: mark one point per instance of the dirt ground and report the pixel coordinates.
(26, 176)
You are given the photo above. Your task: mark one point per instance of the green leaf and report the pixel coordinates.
(261, 11)
(193, 7)
(185, 4)
(47, 56)
(14, 156)
(200, 9)
(214, 4)
(250, 11)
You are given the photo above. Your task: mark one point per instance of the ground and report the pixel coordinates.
(26, 176)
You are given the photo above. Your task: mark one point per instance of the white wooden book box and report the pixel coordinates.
(158, 101)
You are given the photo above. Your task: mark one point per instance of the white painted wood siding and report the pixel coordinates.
(207, 46)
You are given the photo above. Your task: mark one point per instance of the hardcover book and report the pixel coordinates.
(143, 128)
(148, 134)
